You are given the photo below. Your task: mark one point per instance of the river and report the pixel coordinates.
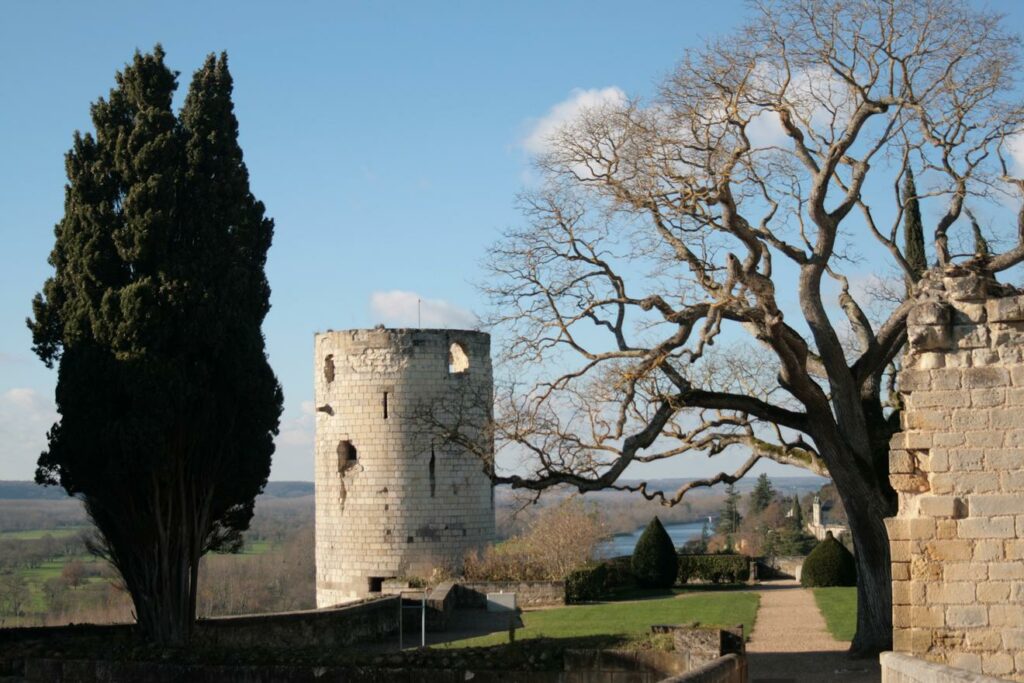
(623, 544)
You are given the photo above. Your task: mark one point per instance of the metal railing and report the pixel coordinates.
(423, 617)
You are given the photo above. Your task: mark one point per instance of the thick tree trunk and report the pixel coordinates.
(869, 499)
(874, 580)
(162, 604)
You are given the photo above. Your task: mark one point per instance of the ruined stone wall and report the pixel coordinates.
(957, 548)
(391, 499)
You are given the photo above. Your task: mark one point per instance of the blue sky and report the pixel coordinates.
(387, 140)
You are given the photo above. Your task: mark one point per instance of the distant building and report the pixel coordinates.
(820, 523)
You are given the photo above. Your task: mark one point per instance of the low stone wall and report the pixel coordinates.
(330, 628)
(700, 645)
(782, 567)
(900, 668)
(440, 605)
(528, 593)
(368, 621)
(725, 669)
(578, 666)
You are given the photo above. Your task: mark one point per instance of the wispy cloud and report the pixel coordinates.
(579, 101)
(25, 417)
(398, 308)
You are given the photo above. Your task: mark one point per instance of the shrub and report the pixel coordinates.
(654, 559)
(586, 584)
(829, 564)
(620, 573)
(714, 568)
(559, 539)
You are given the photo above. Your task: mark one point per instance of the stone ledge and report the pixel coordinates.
(901, 668)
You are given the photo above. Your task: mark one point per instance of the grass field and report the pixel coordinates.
(34, 534)
(839, 607)
(632, 618)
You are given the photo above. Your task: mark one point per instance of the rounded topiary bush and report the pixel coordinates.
(829, 564)
(654, 560)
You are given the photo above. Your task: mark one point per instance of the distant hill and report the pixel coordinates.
(288, 489)
(29, 490)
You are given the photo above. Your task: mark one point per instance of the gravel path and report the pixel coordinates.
(790, 643)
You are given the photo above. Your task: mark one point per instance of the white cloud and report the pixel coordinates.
(25, 417)
(579, 101)
(1015, 145)
(294, 452)
(399, 308)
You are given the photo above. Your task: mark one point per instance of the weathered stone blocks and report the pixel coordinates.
(392, 500)
(958, 542)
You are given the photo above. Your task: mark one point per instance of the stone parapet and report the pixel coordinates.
(958, 467)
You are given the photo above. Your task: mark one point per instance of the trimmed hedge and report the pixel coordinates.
(829, 564)
(714, 568)
(654, 559)
(586, 584)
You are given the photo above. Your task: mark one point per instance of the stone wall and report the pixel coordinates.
(900, 668)
(528, 593)
(391, 500)
(958, 466)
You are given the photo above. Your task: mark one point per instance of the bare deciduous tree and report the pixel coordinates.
(737, 210)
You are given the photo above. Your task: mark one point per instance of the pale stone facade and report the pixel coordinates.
(393, 499)
(958, 540)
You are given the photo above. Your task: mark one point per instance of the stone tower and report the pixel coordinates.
(393, 500)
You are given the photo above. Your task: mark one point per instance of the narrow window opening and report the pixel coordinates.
(408, 539)
(430, 469)
(385, 405)
(329, 368)
(458, 361)
(347, 455)
(375, 584)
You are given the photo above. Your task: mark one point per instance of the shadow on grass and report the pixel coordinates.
(638, 593)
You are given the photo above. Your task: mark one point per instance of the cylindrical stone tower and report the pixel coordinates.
(393, 498)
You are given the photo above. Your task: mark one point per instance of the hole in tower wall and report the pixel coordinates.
(430, 469)
(458, 361)
(329, 368)
(347, 455)
(375, 584)
(385, 401)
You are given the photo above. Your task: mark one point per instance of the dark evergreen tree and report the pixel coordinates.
(168, 404)
(981, 248)
(729, 521)
(762, 495)
(796, 517)
(913, 231)
(829, 564)
(654, 561)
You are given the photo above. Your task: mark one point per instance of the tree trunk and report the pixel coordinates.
(874, 580)
(869, 499)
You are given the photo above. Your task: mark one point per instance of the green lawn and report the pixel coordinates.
(839, 607)
(630, 618)
(35, 534)
(256, 547)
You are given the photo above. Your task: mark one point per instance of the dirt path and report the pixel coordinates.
(790, 643)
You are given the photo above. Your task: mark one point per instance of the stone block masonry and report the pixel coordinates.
(958, 466)
(393, 499)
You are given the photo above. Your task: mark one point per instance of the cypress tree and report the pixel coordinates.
(762, 495)
(654, 562)
(913, 231)
(168, 404)
(981, 248)
(729, 521)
